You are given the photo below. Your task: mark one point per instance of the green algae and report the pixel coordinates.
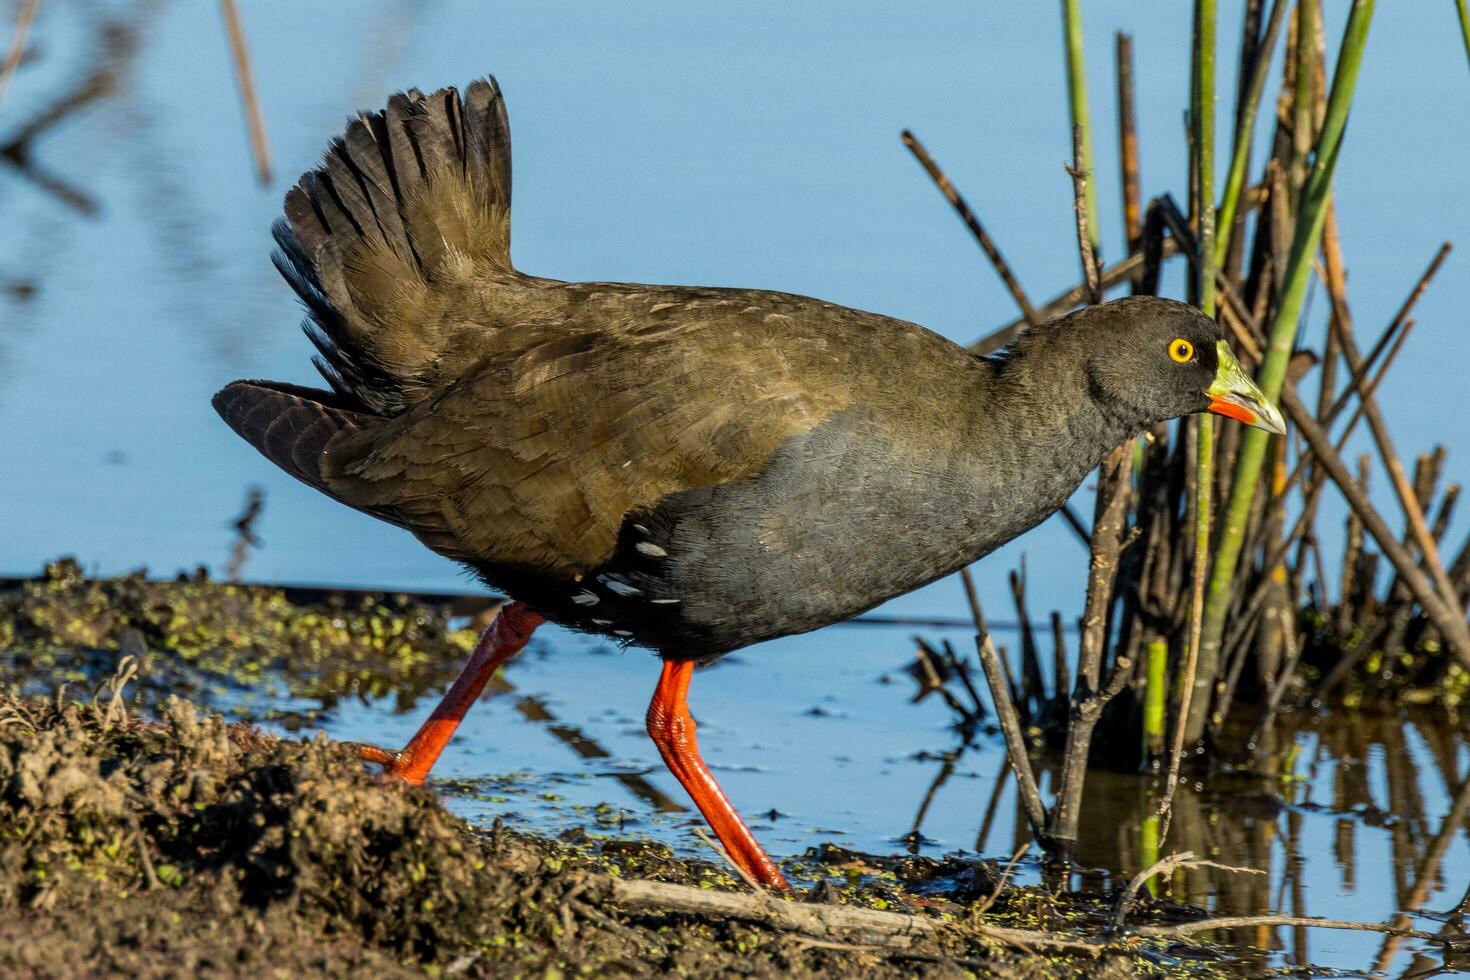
(209, 640)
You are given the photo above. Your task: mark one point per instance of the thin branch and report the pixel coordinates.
(1005, 877)
(1165, 866)
(982, 237)
(1010, 726)
(1091, 274)
(1128, 141)
(719, 849)
(1184, 930)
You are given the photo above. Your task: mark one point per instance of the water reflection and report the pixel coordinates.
(1379, 798)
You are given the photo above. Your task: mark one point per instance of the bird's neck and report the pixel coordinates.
(1052, 409)
(1037, 427)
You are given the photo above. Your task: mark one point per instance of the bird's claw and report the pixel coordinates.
(395, 764)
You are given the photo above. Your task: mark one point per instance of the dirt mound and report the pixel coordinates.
(191, 819)
(142, 835)
(186, 846)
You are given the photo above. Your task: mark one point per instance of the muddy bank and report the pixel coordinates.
(188, 846)
(146, 835)
(210, 641)
(150, 831)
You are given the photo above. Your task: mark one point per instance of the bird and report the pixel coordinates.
(689, 470)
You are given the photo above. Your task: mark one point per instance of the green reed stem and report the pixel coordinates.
(1195, 685)
(1148, 847)
(1077, 101)
(1282, 335)
(1464, 9)
(1154, 692)
(1240, 156)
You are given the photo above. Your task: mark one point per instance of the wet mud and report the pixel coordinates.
(146, 835)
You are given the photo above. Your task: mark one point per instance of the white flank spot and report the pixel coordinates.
(585, 598)
(651, 550)
(618, 585)
(603, 622)
(621, 633)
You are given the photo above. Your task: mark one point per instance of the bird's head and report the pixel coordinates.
(1163, 359)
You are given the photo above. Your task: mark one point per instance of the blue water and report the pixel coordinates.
(658, 142)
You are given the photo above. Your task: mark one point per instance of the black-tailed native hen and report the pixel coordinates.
(686, 469)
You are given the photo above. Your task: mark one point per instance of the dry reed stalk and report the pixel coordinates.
(977, 230)
(23, 18)
(250, 101)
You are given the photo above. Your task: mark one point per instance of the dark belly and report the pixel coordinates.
(840, 520)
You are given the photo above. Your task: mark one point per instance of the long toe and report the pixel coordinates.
(395, 764)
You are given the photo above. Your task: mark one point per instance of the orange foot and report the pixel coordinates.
(501, 640)
(397, 764)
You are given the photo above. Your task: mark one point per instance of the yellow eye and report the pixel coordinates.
(1181, 350)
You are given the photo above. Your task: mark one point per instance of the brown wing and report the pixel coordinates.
(535, 458)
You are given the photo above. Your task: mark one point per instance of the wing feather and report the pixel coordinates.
(535, 458)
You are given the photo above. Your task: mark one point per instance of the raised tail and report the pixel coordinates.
(409, 212)
(290, 425)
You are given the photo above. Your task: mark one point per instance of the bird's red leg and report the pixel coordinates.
(672, 729)
(502, 640)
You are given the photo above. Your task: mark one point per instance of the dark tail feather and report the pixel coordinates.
(409, 202)
(291, 426)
